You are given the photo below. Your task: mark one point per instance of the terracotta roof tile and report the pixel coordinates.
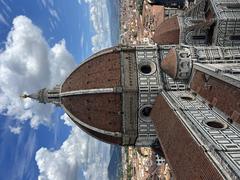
(186, 158)
(225, 97)
(100, 72)
(102, 111)
(169, 63)
(167, 32)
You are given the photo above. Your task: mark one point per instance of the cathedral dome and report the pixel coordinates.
(90, 96)
(110, 95)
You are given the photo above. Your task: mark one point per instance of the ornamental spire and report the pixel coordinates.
(46, 96)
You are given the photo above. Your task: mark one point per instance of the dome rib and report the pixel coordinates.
(99, 136)
(91, 94)
(109, 133)
(89, 91)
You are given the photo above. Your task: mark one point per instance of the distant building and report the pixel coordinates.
(159, 160)
(214, 22)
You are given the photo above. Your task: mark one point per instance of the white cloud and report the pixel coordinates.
(67, 120)
(6, 6)
(15, 130)
(82, 41)
(62, 163)
(27, 64)
(49, 5)
(3, 20)
(78, 153)
(51, 2)
(5, 14)
(52, 24)
(100, 19)
(54, 13)
(46, 3)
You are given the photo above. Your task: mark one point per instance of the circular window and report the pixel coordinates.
(216, 124)
(187, 98)
(145, 112)
(147, 67)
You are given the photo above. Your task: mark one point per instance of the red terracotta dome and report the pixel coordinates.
(102, 70)
(169, 63)
(91, 99)
(167, 32)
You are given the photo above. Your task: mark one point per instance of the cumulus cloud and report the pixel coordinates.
(79, 155)
(15, 130)
(63, 163)
(100, 20)
(67, 120)
(28, 64)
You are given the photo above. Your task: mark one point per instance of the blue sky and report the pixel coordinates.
(41, 42)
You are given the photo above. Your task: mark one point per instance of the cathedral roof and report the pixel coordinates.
(101, 111)
(187, 162)
(167, 32)
(102, 70)
(169, 63)
(89, 96)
